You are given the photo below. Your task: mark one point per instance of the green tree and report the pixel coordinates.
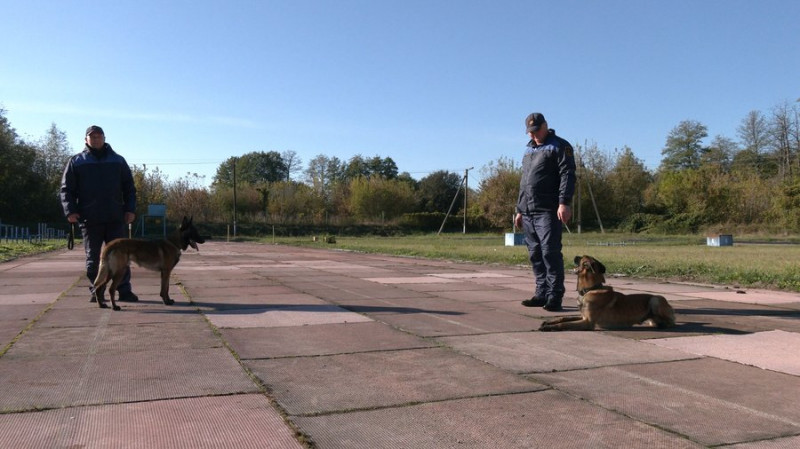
(21, 194)
(627, 182)
(437, 190)
(380, 198)
(252, 168)
(684, 146)
(754, 142)
(498, 192)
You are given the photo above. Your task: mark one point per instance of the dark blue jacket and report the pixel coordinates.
(548, 175)
(98, 185)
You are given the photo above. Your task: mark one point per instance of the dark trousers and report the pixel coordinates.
(94, 236)
(543, 238)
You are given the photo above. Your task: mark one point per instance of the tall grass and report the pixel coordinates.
(751, 262)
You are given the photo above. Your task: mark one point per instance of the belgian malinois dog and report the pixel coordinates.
(602, 307)
(156, 255)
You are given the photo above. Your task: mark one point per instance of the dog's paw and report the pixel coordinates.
(117, 307)
(545, 328)
(169, 301)
(102, 305)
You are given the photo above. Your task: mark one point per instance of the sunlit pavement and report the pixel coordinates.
(282, 347)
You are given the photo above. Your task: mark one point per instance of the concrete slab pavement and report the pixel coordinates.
(274, 346)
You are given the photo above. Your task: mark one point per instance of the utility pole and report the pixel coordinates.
(466, 190)
(234, 197)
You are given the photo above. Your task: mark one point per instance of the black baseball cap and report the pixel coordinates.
(534, 122)
(94, 129)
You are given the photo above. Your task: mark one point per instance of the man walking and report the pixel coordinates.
(97, 191)
(544, 202)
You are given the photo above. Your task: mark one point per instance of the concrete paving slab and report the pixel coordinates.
(346, 293)
(413, 280)
(733, 318)
(239, 421)
(774, 350)
(28, 298)
(53, 382)
(748, 296)
(537, 352)
(79, 312)
(530, 420)
(41, 341)
(477, 295)
(777, 443)
(278, 316)
(222, 301)
(323, 339)
(711, 419)
(470, 275)
(431, 320)
(312, 385)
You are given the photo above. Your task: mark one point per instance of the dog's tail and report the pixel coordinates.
(661, 313)
(103, 272)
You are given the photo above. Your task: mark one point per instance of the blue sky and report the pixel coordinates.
(433, 84)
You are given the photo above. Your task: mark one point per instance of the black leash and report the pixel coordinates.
(71, 236)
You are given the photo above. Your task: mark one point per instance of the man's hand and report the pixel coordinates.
(129, 217)
(518, 220)
(73, 218)
(564, 213)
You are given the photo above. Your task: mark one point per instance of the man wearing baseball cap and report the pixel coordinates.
(98, 193)
(544, 202)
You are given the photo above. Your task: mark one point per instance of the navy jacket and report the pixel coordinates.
(548, 175)
(99, 186)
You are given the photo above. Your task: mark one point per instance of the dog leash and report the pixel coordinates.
(71, 236)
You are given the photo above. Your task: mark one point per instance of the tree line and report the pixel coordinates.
(750, 183)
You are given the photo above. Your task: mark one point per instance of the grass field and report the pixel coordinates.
(752, 262)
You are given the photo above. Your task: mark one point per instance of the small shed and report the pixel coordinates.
(154, 224)
(719, 240)
(515, 239)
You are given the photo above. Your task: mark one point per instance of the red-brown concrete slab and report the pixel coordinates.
(431, 320)
(749, 296)
(776, 443)
(42, 341)
(478, 295)
(694, 406)
(528, 352)
(52, 382)
(546, 419)
(28, 298)
(78, 311)
(323, 339)
(774, 350)
(278, 316)
(238, 421)
(342, 293)
(413, 280)
(309, 385)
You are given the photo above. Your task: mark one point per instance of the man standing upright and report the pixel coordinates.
(97, 191)
(544, 202)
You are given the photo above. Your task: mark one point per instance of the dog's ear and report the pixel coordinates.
(577, 260)
(600, 267)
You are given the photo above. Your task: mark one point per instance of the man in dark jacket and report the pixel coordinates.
(545, 196)
(97, 191)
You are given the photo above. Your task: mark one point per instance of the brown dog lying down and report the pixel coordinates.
(602, 307)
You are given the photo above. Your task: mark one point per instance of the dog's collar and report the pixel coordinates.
(588, 289)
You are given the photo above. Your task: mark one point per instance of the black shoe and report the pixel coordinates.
(534, 302)
(128, 297)
(553, 306)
